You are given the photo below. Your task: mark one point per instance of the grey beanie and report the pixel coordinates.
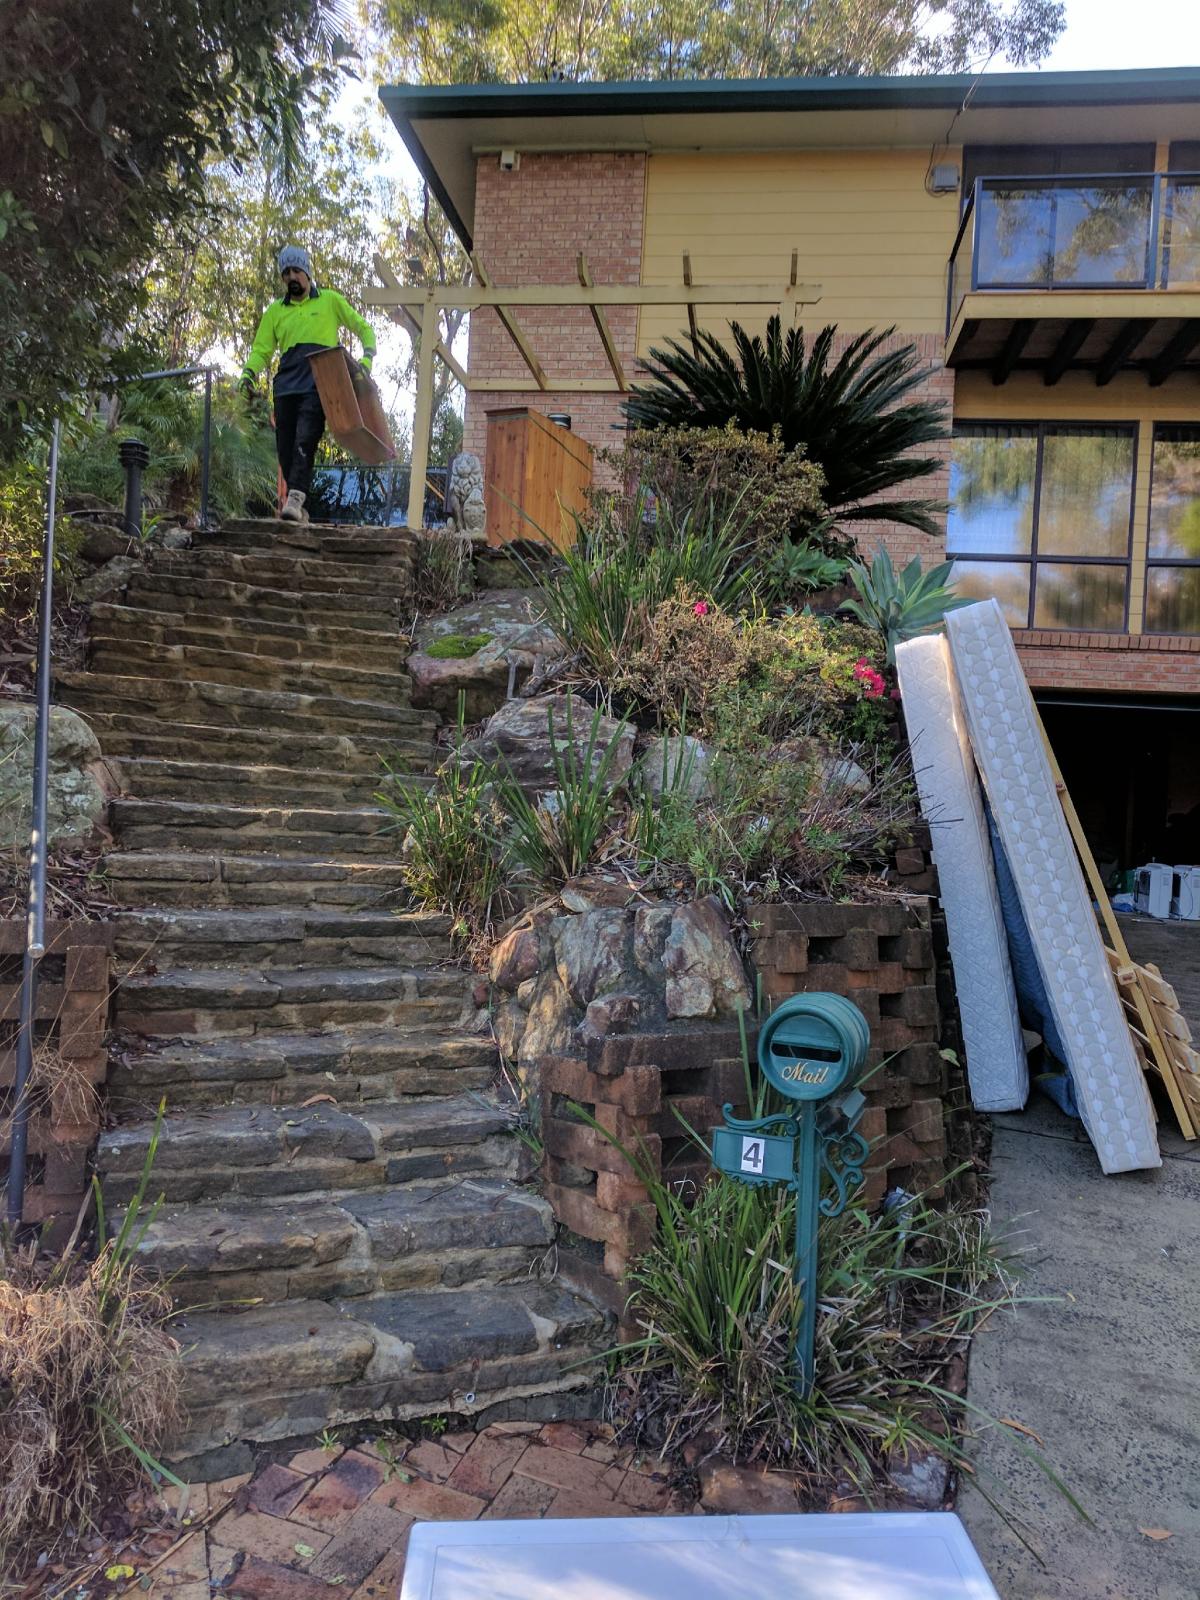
(295, 255)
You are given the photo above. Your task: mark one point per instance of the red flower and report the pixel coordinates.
(700, 609)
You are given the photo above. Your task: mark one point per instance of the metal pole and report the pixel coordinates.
(807, 1193)
(35, 924)
(206, 448)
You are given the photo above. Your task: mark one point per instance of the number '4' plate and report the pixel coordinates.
(754, 1157)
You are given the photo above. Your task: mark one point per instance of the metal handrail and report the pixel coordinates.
(35, 922)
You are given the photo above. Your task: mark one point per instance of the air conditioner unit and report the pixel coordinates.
(1185, 902)
(1152, 888)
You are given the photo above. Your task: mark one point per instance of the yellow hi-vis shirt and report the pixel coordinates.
(299, 328)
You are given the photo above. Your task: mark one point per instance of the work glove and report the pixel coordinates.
(364, 366)
(247, 385)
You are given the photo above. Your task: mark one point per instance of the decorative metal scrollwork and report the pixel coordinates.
(842, 1159)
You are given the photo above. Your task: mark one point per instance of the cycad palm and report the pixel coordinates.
(852, 418)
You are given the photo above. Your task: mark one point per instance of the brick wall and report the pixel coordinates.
(1143, 663)
(529, 227)
(71, 1018)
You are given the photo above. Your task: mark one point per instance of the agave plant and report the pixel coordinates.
(850, 417)
(901, 605)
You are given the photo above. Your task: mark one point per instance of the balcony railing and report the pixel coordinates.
(1109, 231)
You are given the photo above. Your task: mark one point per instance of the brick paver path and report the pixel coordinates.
(335, 1523)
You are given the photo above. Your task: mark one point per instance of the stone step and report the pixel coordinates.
(286, 571)
(166, 824)
(222, 784)
(125, 732)
(178, 700)
(471, 1231)
(131, 658)
(281, 937)
(209, 1001)
(264, 1151)
(199, 597)
(354, 1065)
(354, 541)
(219, 878)
(276, 1372)
(287, 641)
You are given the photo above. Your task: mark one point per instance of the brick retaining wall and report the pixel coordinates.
(71, 1015)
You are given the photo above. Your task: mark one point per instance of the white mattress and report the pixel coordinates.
(997, 1069)
(1113, 1099)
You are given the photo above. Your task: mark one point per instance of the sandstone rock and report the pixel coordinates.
(518, 738)
(480, 679)
(705, 976)
(922, 1478)
(526, 992)
(109, 579)
(104, 542)
(517, 957)
(550, 1022)
(590, 953)
(726, 1490)
(678, 764)
(509, 1023)
(80, 785)
(838, 772)
(651, 924)
(611, 1013)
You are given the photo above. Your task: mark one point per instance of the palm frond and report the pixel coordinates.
(852, 415)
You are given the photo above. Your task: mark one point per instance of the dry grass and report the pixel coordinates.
(57, 1085)
(89, 1385)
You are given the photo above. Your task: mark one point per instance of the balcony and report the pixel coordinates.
(1097, 274)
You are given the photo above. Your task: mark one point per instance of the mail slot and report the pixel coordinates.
(812, 1044)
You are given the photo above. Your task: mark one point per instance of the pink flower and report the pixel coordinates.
(700, 609)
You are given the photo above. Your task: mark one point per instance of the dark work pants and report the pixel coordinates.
(299, 424)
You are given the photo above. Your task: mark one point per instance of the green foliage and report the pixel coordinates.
(776, 492)
(850, 416)
(794, 570)
(457, 646)
(626, 562)
(899, 606)
(110, 116)
(23, 529)
(168, 416)
(554, 839)
(774, 823)
(450, 860)
(447, 41)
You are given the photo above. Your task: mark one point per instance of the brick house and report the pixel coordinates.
(1035, 235)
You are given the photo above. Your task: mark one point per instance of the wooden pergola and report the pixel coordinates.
(419, 310)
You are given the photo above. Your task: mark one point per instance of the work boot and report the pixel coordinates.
(293, 510)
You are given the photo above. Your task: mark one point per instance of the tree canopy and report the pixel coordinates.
(110, 118)
(506, 41)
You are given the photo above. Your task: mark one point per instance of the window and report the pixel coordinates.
(1040, 519)
(1173, 553)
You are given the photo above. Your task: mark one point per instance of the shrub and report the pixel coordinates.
(783, 822)
(900, 606)
(89, 1383)
(442, 572)
(553, 839)
(450, 858)
(22, 531)
(852, 418)
(714, 1295)
(777, 491)
(625, 563)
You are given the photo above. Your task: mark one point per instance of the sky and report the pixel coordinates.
(1099, 34)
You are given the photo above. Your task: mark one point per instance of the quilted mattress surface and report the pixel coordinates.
(1005, 734)
(997, 1069)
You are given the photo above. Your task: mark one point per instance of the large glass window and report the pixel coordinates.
(1040, 519)
(1173, 553)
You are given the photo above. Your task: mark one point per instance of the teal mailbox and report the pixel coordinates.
(811, 1050)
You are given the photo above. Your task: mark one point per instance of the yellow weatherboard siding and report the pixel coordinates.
(865, 228)
(1128, 398)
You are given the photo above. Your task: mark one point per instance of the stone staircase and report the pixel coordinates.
(337, 1169)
